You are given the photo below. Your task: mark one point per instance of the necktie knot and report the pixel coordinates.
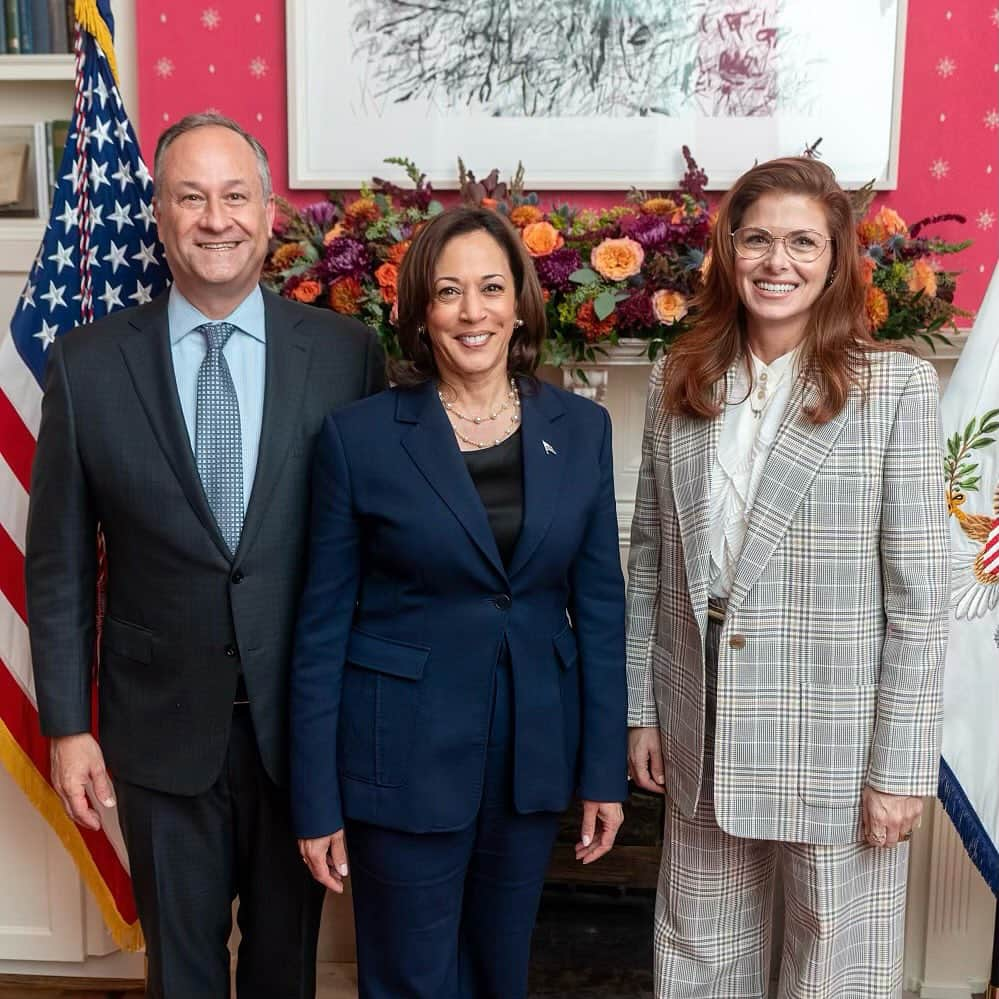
(217, 335)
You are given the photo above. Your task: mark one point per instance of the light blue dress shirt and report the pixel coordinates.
(246, 355)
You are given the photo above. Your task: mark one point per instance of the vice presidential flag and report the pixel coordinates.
(969, 772)
(99, 253)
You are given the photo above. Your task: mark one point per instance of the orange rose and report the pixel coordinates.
(868, 265)
(306, 291)
(669, 306)
(593, 329)
(659, 206)
(285, 255)
(542, 238)
(923, 278)
(891, 222)
(345, 294)
(387, 277)
(524, 215)
(617, 259)
(877, 307)
(397, 251)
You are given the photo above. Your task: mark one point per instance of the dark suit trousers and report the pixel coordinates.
(191, 856)
(450, 915)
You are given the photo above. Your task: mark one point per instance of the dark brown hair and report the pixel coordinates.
(837, 340)
(416, 291)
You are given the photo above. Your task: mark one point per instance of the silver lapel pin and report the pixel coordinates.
(548, 448)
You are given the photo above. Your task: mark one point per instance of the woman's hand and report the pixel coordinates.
(601, 821)
(889, 818)
(645, 759)
(326, 857)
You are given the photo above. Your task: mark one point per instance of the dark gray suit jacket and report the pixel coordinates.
(183, 614)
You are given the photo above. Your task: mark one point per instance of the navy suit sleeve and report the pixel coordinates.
(321, 633)
(597, 609)
(61, 563)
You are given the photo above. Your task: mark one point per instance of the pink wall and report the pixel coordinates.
(230, 55)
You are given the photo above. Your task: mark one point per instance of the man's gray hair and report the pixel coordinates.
(210, 118)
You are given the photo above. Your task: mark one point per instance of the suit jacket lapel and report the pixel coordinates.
(799, 450)
(288, 354)
(545, 444)
(431, 444)
(693, 446)
(150, 364)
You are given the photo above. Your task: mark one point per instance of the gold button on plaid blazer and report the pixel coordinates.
(840, 596)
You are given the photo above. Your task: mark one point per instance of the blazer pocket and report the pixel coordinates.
(836, 729)
(381, 700)
(131, 641)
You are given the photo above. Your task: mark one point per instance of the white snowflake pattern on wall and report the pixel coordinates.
(258, 68)
(991, 119)
(210, 18)
(939, 169)
(946, 67)
(986, 219)
(164, 67)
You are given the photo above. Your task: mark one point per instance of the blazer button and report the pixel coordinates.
(237, 576)
(231, 651)
(737, 641)
(503, 602)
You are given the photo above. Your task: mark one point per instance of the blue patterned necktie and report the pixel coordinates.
(218, 440)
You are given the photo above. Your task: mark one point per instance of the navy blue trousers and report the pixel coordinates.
(450, 915)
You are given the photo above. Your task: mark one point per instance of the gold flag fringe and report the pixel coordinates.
(128, 936)
(89, 18)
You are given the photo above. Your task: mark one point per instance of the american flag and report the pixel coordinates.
(100, 252)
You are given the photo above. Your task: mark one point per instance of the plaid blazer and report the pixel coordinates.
(832, 651)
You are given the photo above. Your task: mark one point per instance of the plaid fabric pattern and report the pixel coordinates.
(830, 669)
(844, 908)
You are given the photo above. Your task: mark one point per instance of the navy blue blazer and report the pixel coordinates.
(407, 605)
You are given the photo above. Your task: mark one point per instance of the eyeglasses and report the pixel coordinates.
(803, 245)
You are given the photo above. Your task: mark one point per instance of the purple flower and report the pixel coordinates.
(651, 231)
(554, 269)
(345, 256)
(635, 312)
(321, 214)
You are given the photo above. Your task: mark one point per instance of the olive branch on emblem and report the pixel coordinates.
(960, 468)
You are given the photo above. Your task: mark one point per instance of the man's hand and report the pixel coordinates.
(326, 857)
(889, 818)
(77, 761)
(601, 821)
(645, 759)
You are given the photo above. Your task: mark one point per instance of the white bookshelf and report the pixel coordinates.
(30, 68)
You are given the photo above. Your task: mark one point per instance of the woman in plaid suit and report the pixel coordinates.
(787, 609)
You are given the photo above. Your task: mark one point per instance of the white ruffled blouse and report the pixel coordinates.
(743, 448)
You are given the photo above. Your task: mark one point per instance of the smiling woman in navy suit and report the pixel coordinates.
(459, 666)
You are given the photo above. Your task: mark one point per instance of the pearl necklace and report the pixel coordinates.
(513, 398)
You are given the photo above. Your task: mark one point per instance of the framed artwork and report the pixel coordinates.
(591, 93)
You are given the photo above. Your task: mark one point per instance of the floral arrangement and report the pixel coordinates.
(628, 271)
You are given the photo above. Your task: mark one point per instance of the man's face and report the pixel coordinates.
(213, 219)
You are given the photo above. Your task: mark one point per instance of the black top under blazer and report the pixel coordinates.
(408, 606)
(183, 614)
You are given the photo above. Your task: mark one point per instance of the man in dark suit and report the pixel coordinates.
(185, 429)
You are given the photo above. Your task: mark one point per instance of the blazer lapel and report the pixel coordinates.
(799, 450)
(693, 449)
(432, 446)
(150, 364)
(544, 439)
(288, 353)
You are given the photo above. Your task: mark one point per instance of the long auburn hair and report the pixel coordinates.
(837, 339)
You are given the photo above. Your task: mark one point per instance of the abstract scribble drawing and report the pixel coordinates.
(545, 58)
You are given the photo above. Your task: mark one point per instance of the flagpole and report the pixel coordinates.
(992, 992)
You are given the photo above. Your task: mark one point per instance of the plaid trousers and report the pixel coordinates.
(844, 906)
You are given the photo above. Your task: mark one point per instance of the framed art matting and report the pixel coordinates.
(591, 93)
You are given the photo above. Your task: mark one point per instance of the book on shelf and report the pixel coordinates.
(36, 27)
(30, 158)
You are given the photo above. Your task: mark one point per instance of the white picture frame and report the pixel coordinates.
(838, 77)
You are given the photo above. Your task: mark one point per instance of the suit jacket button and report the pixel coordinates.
(237, 576)
(737, 641)
(503, 602)
(231, 651)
